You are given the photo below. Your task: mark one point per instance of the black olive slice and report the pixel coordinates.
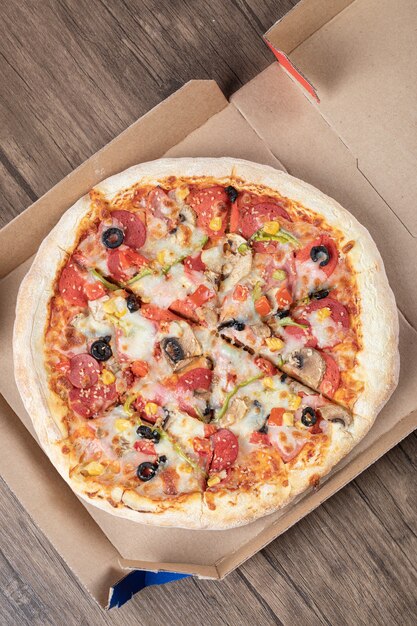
(233, 323)
(132, 303)
(146, 471)
(320, 253)
(264, 428)
(281, 313)
(232, 193)
(308, 416)
(101, 350)
(319, 295)
(283, 378)
(162, 459)
(113, 237)
(147, 433)
(172, 348)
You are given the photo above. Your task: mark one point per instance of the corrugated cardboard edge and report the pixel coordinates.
(304, 19)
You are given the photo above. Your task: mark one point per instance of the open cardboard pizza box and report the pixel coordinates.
(358, 145)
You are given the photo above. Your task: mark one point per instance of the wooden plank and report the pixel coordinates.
(75, 74)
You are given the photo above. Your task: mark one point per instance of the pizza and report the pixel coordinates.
(199, 341)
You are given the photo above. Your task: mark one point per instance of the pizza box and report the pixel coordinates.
(336, 111)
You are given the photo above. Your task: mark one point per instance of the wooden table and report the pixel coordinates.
(75, 73)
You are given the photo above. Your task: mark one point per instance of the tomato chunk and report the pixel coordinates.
(275, 417)
(283, 298)
(262, 306)
(266, 366)
(240, 293)
(139, 368)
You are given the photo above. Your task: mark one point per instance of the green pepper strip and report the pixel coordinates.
(202, 243)
(166, 268)
(145, 272)
(257, 290)
(112, 286)
(287, 321)
(234, 391)
(283, 236)
(127, 407)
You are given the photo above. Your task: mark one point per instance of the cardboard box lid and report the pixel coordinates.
(268, 118)
(357, 54)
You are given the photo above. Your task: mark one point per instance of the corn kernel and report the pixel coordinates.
(294, 402)
(271, 228)
(151, 408)
(268, 383)
(216, 224)
(182, 193)
(287, 419)
(109, 306)
(274, 344)
(160, 257)
(94, 468)
(323, 313)
(279, 275)
(107, 377)
(214, 480)
(121, 424)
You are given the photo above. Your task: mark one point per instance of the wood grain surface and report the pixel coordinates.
(75, 73)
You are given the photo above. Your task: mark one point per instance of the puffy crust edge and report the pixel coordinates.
(379, 361)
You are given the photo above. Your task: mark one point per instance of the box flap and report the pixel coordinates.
(148, 138)
(360, 62)
(302, 21)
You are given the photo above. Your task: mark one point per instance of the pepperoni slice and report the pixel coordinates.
(146, 447)
(303, 334)
(95, 290)
(121, 260)
(88, 402)
(134, 228)
(84, 371)
(304, 254)
(225, 449)
(254, 217)
(199, 379)
(331, 378)
(339, 312)
(194, 263)
(204, 450)
(71, 284)
(208, 204)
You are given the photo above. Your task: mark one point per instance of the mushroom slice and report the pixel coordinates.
(188, 215)
(296, 387)
(180, 346)
(307, 365)
(213, 259)
(261, 330)
(236, 412)
(236, 267)
(335, 413)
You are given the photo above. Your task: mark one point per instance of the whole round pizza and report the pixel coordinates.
(198, 341)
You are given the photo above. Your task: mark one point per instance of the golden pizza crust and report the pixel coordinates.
(378, 362)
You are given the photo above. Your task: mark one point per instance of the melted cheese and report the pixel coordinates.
(137, 339)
